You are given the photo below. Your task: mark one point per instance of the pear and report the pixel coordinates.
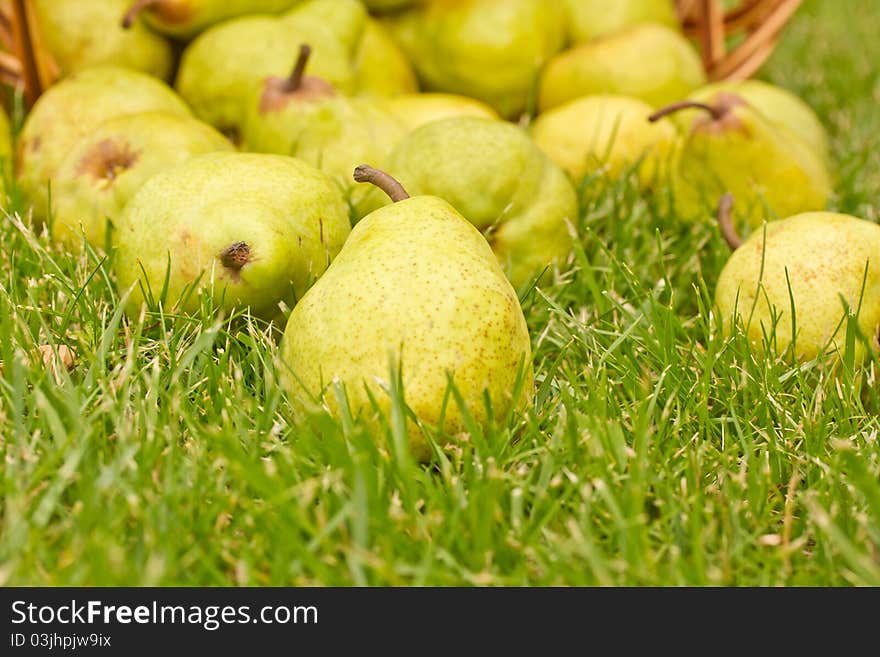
(303, 116)
(415, 286)
(805, 277)
(380, 6)
(606, 134)
(255, 230)
(491, 50)
(104, 169)
(414, 110)
(83, 33)
(730, 147)
(590, 19)
(497, 178)
(651, 62)
(222, 69)
(72, 108)
(185, 19)
(779, 106)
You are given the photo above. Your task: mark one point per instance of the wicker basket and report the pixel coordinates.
(735, 38)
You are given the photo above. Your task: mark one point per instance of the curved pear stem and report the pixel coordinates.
(382, 180)
(294, 82)
(235, 256)
(725, 222)
(136, 8)
(716, 112)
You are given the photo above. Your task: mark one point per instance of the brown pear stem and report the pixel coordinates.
(382, 180)
(725, 222)
(294, 82)
(136, 8)
(716, 112)
(235, 256)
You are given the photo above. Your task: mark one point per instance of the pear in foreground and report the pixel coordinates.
(415, 286)
(497, 178)
(82, 33)
(651, 62)
(728, 146)
(826, 265)
(106, 168)
(71, 109)
(5, 156)
(606, 134)
(255, 230)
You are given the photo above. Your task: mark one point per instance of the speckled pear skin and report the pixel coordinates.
(490, 50)
(184, 19)
(417, 109)
(334, 134)
(770, 173)
(224, 67)
(74, 107)
(651, 62)
(105, 168)
(289, 214)
(415, 284)
(609, 134)
(82, 33)
(497, 178)
(782, 108)
(826, 255)
(591, 19)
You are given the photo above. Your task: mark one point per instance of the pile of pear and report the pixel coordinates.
(411, 165)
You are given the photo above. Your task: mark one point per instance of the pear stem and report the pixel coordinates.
(235, 256)
(716, 112)
(382, 180)
(137, 7)
(725, 222)
(294, 82)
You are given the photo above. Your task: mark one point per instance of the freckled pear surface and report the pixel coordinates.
(289, 215)
(826, 256)
(415, 282)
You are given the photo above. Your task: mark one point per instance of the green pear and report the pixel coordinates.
(184, 19)
(496, 177)
(71, 109)
(222, 69)
(491, 50)
(82, 33)
(779, 106)
(303, 116)
(414, 110)
(651, 62)
(804, 277)
(606, 134)
(591, 19)
(254, 230)
(106, 168)
(730, 147)
(416, 286)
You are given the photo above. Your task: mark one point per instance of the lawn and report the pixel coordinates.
(657, 451)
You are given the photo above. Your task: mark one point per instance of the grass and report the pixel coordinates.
(657, 451)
